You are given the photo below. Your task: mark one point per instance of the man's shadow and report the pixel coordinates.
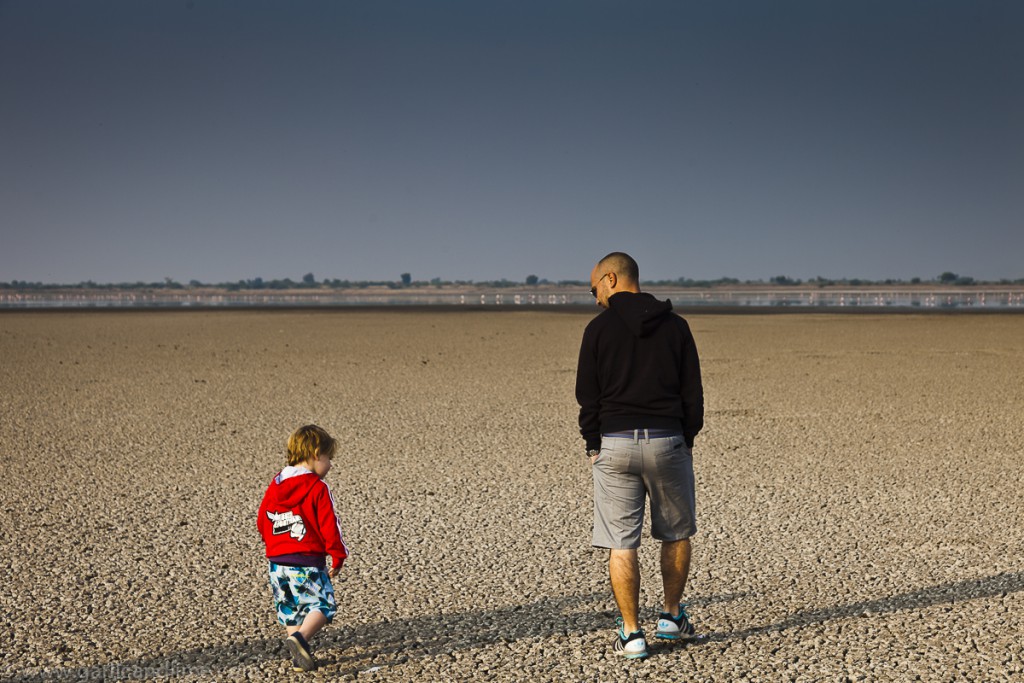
(390, 642)
(943, 593)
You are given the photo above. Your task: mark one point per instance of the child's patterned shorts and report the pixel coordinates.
(299, 590)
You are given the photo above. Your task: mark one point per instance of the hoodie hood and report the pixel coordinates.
(291, 486)
(641, 312)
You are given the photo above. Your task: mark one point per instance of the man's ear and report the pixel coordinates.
(612, 279)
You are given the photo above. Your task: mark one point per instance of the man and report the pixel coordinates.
(641, 405)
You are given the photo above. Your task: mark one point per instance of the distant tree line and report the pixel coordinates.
(947, 278)
(405, 281)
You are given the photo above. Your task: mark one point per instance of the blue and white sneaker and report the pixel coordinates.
(633, 646)
(675, 628)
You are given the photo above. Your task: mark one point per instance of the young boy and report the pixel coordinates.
(300, 528)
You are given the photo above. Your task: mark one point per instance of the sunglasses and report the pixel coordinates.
(593, 290)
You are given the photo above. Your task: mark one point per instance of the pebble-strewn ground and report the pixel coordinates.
(859, 496)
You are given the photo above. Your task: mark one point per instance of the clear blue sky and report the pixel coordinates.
(222, 140)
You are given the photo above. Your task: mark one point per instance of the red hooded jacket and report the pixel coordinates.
(297, 517)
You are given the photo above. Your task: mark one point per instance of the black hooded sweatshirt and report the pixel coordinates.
(638, 369)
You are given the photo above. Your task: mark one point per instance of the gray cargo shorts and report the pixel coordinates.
(629, 470)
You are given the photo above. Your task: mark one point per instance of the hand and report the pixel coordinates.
(594, 457)
(335, 568)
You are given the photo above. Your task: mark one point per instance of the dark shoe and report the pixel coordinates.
(675, 628)
(633, 646)
(298, 648)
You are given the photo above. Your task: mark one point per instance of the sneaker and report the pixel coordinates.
(633, 646)
(675, 628)
(298, 648)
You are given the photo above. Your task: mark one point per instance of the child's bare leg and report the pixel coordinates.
(299, 637)
(311, 625)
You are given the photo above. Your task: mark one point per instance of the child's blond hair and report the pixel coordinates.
(307, 443)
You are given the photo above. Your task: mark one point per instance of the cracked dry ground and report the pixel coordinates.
(859, 497)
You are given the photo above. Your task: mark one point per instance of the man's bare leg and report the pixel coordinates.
(624, 568)
(675, 568)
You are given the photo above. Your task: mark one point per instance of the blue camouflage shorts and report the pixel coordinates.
(300, 590)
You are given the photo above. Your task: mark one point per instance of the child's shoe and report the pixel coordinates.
(298, 648)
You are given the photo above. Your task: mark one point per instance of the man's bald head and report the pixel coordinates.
(623, 265)
(616, 272)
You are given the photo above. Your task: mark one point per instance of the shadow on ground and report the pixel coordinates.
(945, 593)
(388, 643)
